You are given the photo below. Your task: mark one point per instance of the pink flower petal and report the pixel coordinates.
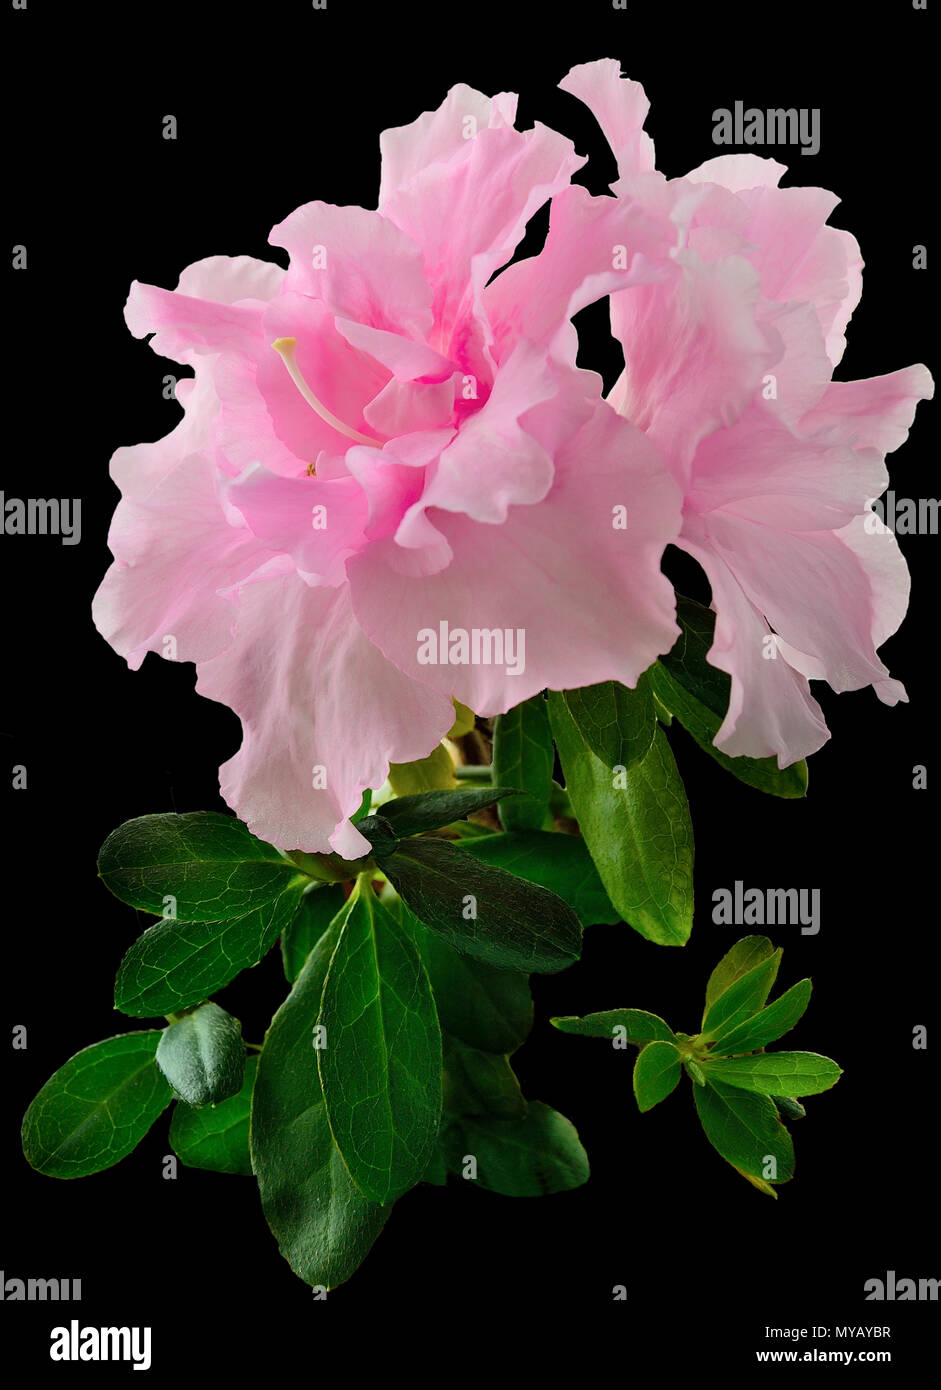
(694, 352)
(620, 107)
(542, 570)
(359, 265)
(174, 554)
(771, 710)
(318, 523)
(314, 696)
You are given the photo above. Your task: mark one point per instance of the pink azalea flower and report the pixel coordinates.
(730, 346)
(377, 442)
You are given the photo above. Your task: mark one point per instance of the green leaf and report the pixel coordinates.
(618, 724)
(316, 911)
(437, 1171)
(776, 1073)
(482, 910)
(410, 815)
(177, 964)
(216, 1137)
(639, 834)
(790, 1107)
(480, 1083)
(323, 1224)
(423, 775)
(743, 956)
(485, 1007)
(464, 720)
(208, 864)
(96, 1108)
(202, 1055)
(657, 1072)
(745, 1129)
(537, 1153)
(742, 1000)
(556, 861)
(380, 1067)
(698, 694)
(523, 758)
(638, 1026)
(769, 1025)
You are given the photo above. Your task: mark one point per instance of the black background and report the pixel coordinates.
(278, 104)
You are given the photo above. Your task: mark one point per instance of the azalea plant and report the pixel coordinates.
(409, 541)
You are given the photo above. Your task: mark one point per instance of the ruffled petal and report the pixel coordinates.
(437, 136)
(318, 523)
(694, 352)
(594, 247)
(620, 107)
(217, 308)
(785, 573)
(771, 710)
(602, 611)
(358, 264)
(175, 556)
(138, 468)
(319, 704)
(468, 211)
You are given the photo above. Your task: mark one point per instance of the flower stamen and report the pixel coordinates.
(285, 348)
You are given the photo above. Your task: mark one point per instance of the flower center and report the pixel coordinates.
(285, 348)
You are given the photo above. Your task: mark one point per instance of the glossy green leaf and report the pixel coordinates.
(216, 1136)
(177, 964)
(697, 693)
(410, 815)
(743, 956)
(96, 1108)
(742, 1000)
(315, 912)
(482, 910)
(633, 1025)
(769, 1025)
(323, 1224)
(437, 1171)
(657, 1072)
(523, 758)
(776, 1073)
(556, 861)
(480, 1083)
(618, 724)
(537, 1153)
(207, 865)
(746, 1130)
(695, 1071)
(202, 1055)
(790, 1107)
(639, 833)
(484, 1007)
(380, 1066)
